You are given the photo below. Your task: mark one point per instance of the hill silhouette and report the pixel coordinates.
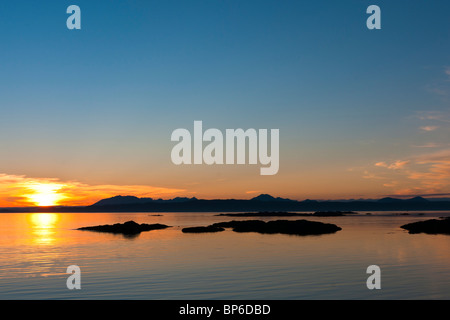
(123, 200)
(263, 202)
(268, 197)
(394, 200)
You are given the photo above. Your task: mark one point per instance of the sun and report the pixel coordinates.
(45, 194)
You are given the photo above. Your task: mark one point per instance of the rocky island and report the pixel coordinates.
(432, 226)
(207, 229)
(296, 227)
(127, 228)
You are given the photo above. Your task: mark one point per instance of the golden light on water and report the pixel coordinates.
(43, 227)
(44, 220)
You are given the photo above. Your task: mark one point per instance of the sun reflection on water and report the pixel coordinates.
(43, 227)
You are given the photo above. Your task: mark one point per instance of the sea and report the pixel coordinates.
(36, 250)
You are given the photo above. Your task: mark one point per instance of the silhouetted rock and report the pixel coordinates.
(241, 225)
(202, 229)
(129, 227)
(432, 226)
(296, 227)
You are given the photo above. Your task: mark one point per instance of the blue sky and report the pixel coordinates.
(98, 105)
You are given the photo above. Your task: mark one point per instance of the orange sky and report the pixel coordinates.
(321, 173)
(425, 174)
(18, 191)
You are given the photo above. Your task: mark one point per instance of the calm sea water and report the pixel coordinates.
(36, 249)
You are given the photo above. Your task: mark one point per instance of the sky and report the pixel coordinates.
(88, 114)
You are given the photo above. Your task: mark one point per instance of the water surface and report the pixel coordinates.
(36, 249)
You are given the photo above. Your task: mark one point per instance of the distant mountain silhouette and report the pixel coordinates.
(263, 202)
(392, 200)
(122, 200)
(389, 200)
(417, 199)
(118, 200)
(268, 197)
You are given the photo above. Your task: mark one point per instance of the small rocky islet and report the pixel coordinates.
(127, 228)
(291, 227)
(207, 229)
(432, 226)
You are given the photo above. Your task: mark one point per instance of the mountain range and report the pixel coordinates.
(263, 202)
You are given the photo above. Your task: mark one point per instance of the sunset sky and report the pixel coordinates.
(88, 114)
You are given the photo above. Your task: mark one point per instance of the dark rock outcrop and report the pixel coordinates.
(127, 228)
(432, 226)
(202, 229)
(296, 227)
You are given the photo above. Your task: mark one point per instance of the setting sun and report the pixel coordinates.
(45, 194)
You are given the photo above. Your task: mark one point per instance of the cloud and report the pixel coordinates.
(440, 116)
(399, 164)
(435, 175)
(434, 115)
(428, 145)
(441, 86)
(410, 193)
(428, 173)
(370, 175)
(20, 190)
(447, 71)
(429, 128)
(381, 164)
(391, 184)
(441, 156)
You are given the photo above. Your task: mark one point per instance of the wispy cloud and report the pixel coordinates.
(411, 194)
(253, 191)
(372, 176)
(447, 71)
(399, 164)
(391, 184)
(428, 145)
(440, 116)
(429, 128)
(424, 174)
(441, 86)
